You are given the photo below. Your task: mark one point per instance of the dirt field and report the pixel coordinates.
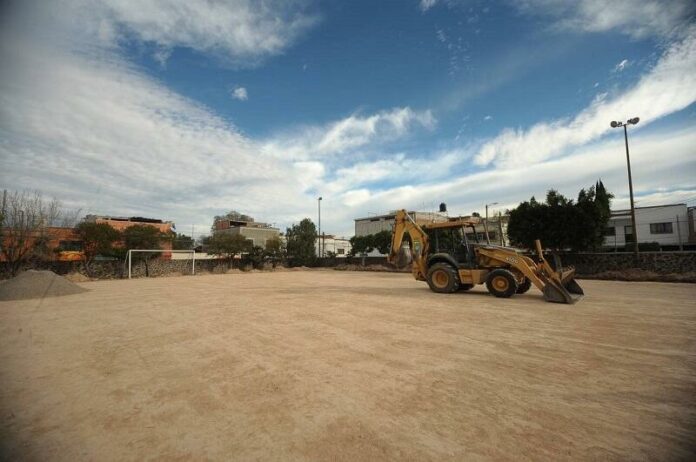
(328, 365)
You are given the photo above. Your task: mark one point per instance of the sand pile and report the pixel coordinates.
(37, 284)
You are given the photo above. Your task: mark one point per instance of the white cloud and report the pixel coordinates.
(669, 87)
(90, 128)
(240, 32)
(240, 93)
(636, 19)
(162, 55)
(425, 5)
(350, 133)
(605, 160)
(488, 117)
(622, 65)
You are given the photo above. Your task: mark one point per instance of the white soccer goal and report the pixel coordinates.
(192, 252)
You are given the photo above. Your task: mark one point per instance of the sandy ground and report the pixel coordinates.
(328, 365)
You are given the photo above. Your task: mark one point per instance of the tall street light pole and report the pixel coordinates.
(485, 223)
(319, 236)
(615, 124)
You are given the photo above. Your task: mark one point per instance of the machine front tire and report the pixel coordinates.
(443, 278)
(525, 286)
(501, 283)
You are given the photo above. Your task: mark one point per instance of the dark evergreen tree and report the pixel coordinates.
(301, 242)
(560, 223)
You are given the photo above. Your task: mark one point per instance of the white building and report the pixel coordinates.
(375, 224)
(330, 243)
(668, 225)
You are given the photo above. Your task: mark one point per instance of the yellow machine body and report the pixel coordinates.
(504, 270)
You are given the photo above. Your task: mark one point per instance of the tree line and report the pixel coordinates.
(561, 223)
(26, 220)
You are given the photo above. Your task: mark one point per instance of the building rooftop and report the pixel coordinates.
(621, 211)
(131, 219)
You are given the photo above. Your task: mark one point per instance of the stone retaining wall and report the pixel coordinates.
(657, 262)
(117, 269)
(586, 264)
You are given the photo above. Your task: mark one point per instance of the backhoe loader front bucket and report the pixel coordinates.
(563, 288)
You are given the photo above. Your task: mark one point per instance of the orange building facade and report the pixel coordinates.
(64, 244)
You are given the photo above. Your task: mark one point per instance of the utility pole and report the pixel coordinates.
(500, 228)
(485, 223)
(319, 234)
(615, 124)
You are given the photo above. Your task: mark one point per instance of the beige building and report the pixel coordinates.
(256, 232)
(375, 224)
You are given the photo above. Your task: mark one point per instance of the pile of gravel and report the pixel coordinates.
(37, 284)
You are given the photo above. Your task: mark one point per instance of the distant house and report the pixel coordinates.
(255, 231)
(671, 226)
(123, 223)
(330, 243)
(60, 244)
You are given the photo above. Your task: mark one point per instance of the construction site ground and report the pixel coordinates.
(329, 365)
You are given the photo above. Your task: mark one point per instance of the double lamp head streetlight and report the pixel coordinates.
(633, 121)
(615, 124)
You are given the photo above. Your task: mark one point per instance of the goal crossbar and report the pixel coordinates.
(192, 252)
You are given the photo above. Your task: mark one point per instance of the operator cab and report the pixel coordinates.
(453, 241)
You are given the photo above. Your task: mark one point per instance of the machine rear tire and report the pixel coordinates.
(525, 286)
(443, 278)
(501, 283)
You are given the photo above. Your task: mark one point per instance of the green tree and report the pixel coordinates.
(301, 240)
(143, 237)
(182, 242)
(361, 245)
(256, 256)
(382, 241)
(275, 250)
(228, 246)
(561, 223)
(97, 239)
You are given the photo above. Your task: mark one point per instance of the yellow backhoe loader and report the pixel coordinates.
(443, 257)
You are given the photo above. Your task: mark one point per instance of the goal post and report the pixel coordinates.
(129, 257)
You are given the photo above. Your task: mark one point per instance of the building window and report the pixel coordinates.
(628, 233)
(660, 228)
(610, 231)
(340, 251)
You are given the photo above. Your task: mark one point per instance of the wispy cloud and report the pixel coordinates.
(669, 87)
(425, 5)
(621, 65)
(636, 19)
(241, 32)
(240, 93)
(349, 133)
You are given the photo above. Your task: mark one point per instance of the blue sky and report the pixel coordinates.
(184, 110)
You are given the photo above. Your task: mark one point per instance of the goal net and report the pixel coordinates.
(183, 261)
